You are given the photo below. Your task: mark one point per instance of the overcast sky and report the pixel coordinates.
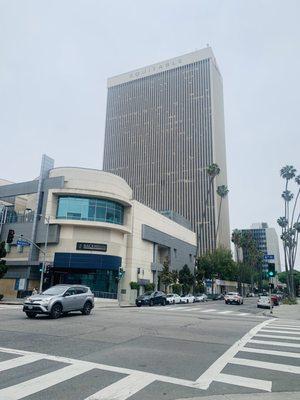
(55, 57)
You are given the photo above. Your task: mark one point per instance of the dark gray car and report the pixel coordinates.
(60, 299)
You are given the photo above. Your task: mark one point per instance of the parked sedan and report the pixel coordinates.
(233, 298)
(151, 298)
(200, 297)
(187, 298)
(173, 298)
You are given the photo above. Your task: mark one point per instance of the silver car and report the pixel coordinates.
(59, 300)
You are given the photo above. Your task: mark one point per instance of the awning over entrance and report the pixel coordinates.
(87, 261)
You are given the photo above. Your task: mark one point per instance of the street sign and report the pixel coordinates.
(23, 243)
(269, 257)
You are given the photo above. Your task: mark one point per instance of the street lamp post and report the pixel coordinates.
(47, 219)
(44, 259)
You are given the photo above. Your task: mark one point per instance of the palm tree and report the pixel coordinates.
(222, 191)
(290, 226)
(212, 171)
(236, 238)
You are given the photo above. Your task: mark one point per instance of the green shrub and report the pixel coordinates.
(149, 287)
(177, 288)
(134, 285)
(290, 301)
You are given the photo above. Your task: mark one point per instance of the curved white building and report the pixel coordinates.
(96, 229)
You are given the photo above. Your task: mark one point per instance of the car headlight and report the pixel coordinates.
(45, 302)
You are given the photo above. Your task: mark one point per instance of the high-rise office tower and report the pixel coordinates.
(164, 127)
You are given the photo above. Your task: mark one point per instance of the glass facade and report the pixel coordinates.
(103, 283)
(90, 209)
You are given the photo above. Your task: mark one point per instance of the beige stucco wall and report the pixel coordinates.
(124, 241)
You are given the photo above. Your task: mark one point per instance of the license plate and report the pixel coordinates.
(30, 307)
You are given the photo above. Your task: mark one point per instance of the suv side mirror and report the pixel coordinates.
(66, 294)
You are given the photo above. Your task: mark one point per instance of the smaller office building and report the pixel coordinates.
(88, 228)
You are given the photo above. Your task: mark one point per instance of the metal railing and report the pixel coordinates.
(104, 295)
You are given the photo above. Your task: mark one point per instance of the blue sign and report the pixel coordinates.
(22, 243)
(269, 257)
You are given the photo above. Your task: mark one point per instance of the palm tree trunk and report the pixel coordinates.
(219, 216)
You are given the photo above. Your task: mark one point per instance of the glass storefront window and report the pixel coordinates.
(88, 209)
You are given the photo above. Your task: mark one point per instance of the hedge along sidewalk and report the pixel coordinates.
(285, 311)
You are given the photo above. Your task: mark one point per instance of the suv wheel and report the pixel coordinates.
(163, 302)
(31, 315)
(87, 308)
(151, 303)
(56, 311)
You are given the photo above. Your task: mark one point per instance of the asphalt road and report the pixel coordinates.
(148, 353)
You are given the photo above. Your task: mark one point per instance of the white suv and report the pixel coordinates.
(233, 298)
(60, 299)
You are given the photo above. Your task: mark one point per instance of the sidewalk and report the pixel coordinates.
(251, 396)
(285, 311)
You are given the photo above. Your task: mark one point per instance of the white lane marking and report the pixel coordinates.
(8, 307)
(123, 388)
(186, 309)
(209, 310)
(245, 382)
(271, 352)
(280, 331)
(42, 382)
(243, 314)
(18, 362)
(215, 369)
(274, 343)
(225, 312)
(292, 327)
(278, 337)
(266, 365)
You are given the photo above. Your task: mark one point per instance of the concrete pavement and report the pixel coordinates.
(207, 351)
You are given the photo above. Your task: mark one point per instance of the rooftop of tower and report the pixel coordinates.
(162, 66)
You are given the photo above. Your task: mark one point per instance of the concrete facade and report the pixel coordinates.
(139, 244)
(164, 127)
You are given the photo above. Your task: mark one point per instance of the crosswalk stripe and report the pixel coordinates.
(278, 337)
(274, 343)
(266, 365)
(279, 331)
(18, 362)
(210, 310)
(271, 352)
(225, 312)
(42, 382)
(123, 388)
(214, 371)
(292, 327)
(245, 382)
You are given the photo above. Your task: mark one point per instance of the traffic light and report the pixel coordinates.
(271, 270)
(10, 236)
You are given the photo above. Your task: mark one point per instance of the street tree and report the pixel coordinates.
(222, 191)
(282, 277)
(166, 277)
(212, 171)
(290, 224)
(186, 279)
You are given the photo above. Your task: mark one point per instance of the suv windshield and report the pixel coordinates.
(55, 290)
(147, 293)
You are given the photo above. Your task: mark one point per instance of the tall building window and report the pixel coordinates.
(90, 209)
